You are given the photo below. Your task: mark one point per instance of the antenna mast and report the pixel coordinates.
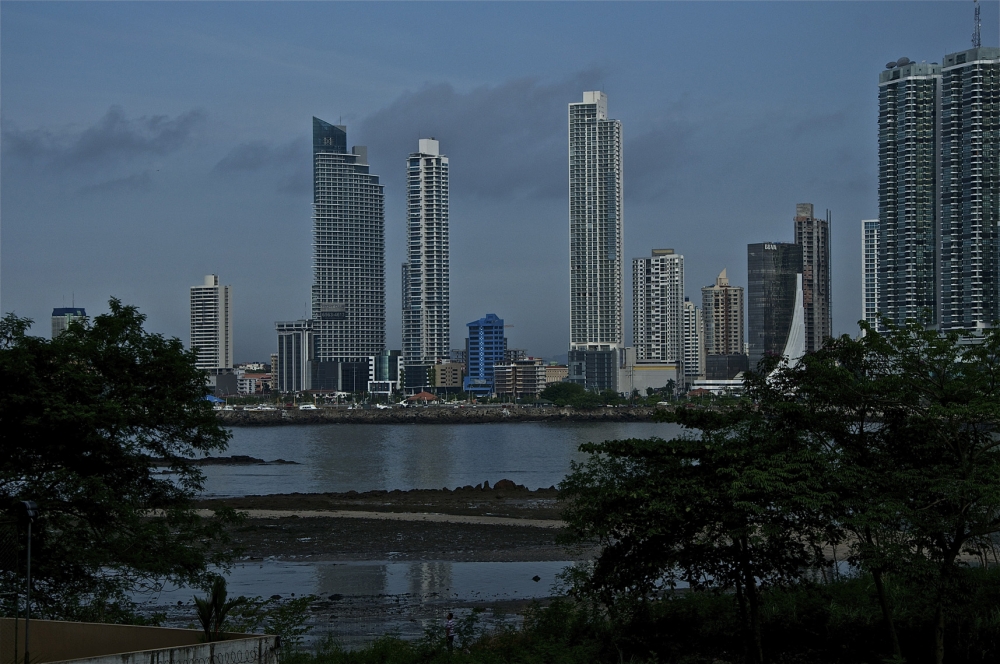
(977, 41)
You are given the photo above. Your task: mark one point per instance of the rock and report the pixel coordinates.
(505, 484)
(486, 486)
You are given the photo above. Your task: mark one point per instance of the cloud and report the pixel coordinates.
(291, 158)
(138, 182)
(506, 140)
(112, 141)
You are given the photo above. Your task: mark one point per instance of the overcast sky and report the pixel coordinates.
(146, 144)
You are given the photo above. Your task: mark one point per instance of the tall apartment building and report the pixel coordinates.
(597, 292)
(63, 316)
(658, 307)
(813, 235)
(485, 348)
(426, 274)
(969, 189)
(774, 277)
(296, 347)
(722, 317)
(693, 341)
(211, 325)
(907, 155)
(348, 292)
(869, 271)
(938, 190)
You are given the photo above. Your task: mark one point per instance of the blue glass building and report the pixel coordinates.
(484, 348)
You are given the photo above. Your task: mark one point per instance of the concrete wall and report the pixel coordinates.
(96, 643)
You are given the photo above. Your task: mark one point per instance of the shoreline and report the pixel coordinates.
(489, 414)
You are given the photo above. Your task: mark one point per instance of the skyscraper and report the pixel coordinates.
(969, 189)
(694, 342)
(774, 276)
(348, 292)
(907, 155)
(211, 325)
(63, 316)
(595, 226)
(813, 235)
(869, 271)
(722, 317)
(658, 306)
(426, 275)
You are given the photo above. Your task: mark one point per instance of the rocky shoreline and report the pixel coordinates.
(436, 415)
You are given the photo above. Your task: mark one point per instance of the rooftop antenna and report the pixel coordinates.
(977, 41)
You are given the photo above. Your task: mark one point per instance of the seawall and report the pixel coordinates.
(435, 415)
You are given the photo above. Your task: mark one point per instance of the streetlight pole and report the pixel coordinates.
(29, 510)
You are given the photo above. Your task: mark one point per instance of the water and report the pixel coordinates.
(365, 457)
(358, 602)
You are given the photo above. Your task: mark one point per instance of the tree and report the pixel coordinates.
(87, 420)
(910, 418)
(563, 392)
(740, 507)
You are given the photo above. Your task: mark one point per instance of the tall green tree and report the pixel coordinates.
(911, 419)
(740, 506)
(88, 421)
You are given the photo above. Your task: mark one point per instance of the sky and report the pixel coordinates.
(144, 145)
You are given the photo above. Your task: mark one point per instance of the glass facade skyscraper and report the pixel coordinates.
(907, 154)
(348, 292)
(773, 270)
(426, 273)
(969, 189)
(595, 226)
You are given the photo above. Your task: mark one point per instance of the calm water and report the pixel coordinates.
(365, 457)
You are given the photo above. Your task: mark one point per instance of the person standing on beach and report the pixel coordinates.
(449, 630)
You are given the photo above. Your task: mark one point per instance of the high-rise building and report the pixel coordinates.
(969, 190)
(296, 347)
(694, 343)
(722, 317)
(869, 271)
(658, 307)
(907, 154)
(63, 316)
(597, 292)
(211, 325)
(485, 348)
(348, 292)
(774, 272)
(813, 235)
(426, 280)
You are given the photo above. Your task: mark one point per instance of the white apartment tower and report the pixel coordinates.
(658, 307)
(595, 226)
(694, 342)
(348, 292)
(426, 273)
(211, 325)
(869, 271)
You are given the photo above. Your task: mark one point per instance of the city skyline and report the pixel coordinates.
(131, 210)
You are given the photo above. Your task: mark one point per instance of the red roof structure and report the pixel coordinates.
(422, 397)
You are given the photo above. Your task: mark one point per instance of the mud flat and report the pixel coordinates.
(435, 415)
(500, 523)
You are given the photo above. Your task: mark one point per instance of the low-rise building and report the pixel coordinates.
(446, 376)
(520, 378)
(556, 373)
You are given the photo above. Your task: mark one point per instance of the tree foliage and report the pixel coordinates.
(886, 444)
(88, 421)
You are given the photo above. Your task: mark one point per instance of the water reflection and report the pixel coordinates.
(364, 457)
